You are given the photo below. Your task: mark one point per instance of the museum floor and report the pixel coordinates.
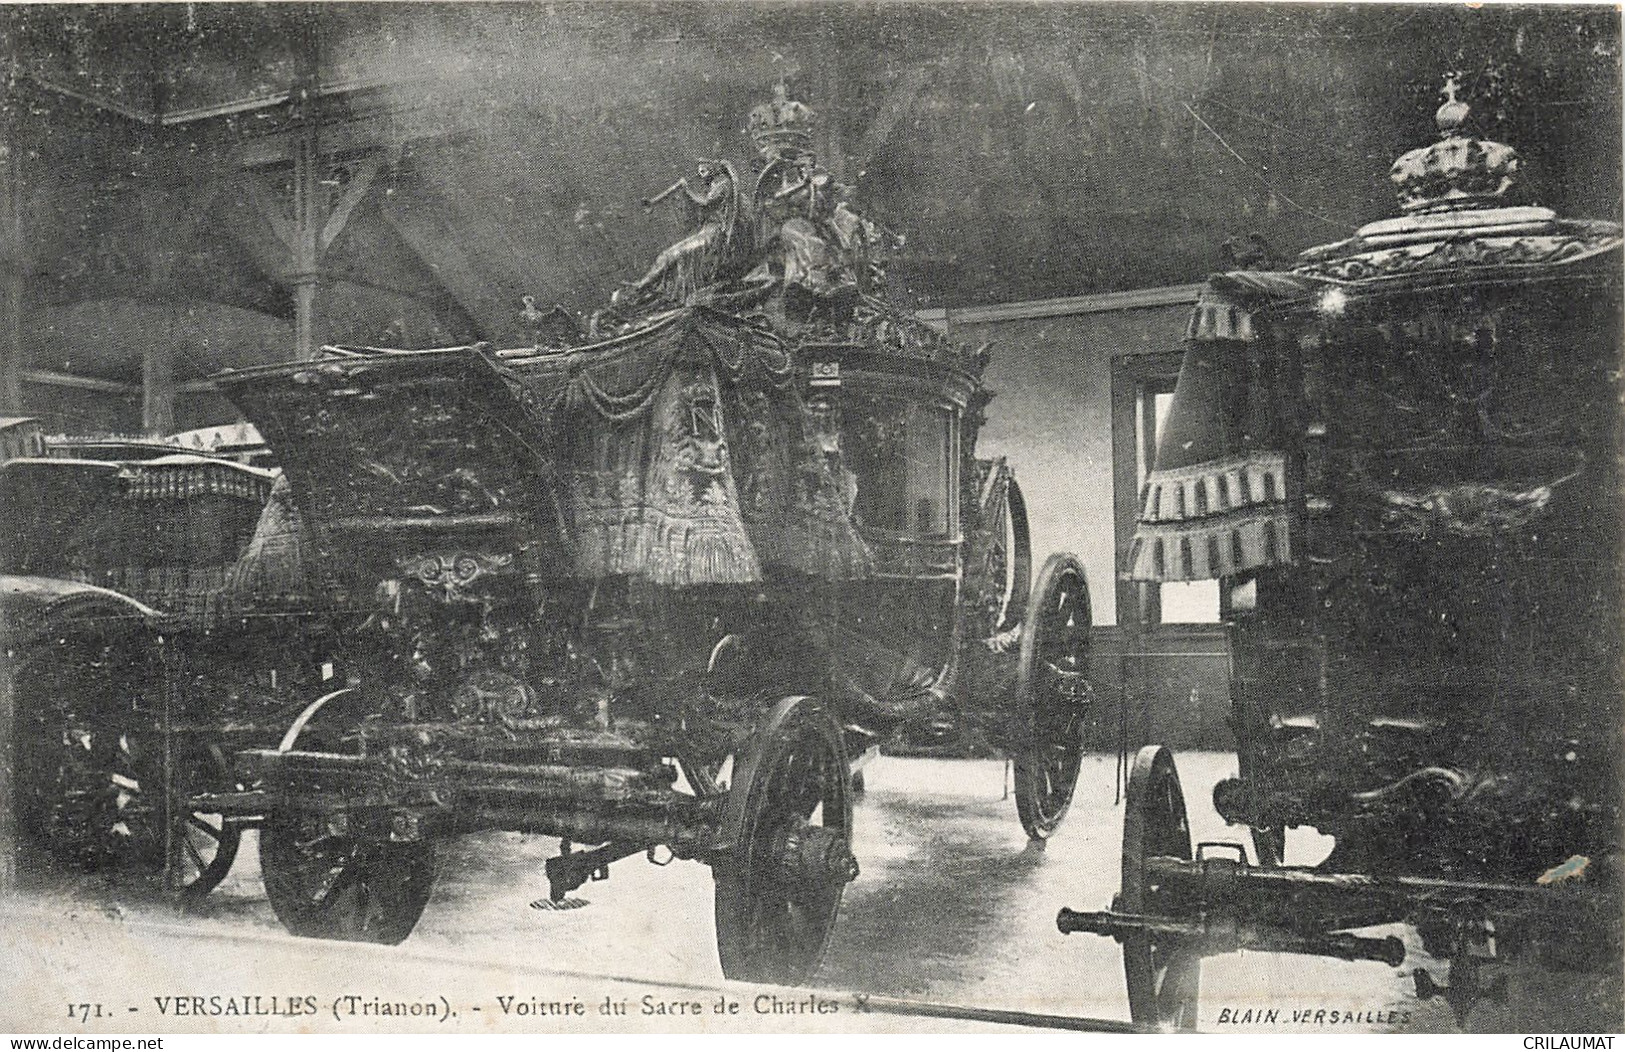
(953, 906)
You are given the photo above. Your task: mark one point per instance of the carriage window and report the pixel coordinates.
(900, 454)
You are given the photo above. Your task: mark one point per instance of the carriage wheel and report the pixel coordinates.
(785, 853)
(92, 784)
(202, 845)
(1013, 543)
(324, 883)
(1164, 976)
(328, 886)
(75, 776)
(1053, 692)
(110, 808)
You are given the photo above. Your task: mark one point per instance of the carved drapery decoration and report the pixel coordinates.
(273, 570)
(656, 497)
(692, 457)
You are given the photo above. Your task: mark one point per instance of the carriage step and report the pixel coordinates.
(569, 902)
(570, 870)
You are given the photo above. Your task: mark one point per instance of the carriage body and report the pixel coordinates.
(721, 512)
(1401, 460)
(656, 590)
(1445, 558)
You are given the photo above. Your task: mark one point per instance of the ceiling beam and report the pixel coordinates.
(51, 378)
(356, 189)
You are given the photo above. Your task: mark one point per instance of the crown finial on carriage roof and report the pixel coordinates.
(781, 123)
(1453, 113)
(1460, 170)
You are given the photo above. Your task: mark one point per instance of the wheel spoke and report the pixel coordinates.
(191, 849)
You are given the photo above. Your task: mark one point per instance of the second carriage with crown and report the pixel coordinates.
(659, 583)
(1401, 462)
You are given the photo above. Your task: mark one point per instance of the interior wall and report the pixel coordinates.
(1051, 416)
(74, 411)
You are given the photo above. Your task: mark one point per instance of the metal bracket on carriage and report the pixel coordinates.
(1468, 985)
(1239, 803)
(1071, 685)
(571, 869)
(814, 858)
(877, 716)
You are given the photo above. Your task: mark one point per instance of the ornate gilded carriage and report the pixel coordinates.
(1401, 460)
(656, 584)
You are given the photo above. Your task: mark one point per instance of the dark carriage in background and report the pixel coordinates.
(145, 646)
(1401, 460)
(653, 586)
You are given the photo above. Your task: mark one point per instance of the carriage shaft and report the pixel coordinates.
(690, 831)
(377, 777)
(1219, 880)
(1210, 935)
(586, 804)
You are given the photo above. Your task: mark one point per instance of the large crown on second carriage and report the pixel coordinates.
(1461, 170)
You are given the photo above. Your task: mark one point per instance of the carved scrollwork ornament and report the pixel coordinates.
(449, 576)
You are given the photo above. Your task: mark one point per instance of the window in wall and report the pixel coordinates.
(1142, 396)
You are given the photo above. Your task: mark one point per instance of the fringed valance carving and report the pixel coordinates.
(1212, 547)
(1217, 318)
(692, 458)
(1215, 487)
(1213, 519)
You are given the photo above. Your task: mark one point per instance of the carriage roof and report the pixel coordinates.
(475, 443)
(1217, 500)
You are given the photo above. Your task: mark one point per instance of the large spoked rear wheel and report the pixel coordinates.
(328, 886)
(1164, 975)
(1053, 694)
(785, 855)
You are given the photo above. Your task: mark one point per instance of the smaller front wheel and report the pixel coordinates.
(324, 885)
(786, 848)
(1164, 973)
(202, 844)
(1053, 694)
